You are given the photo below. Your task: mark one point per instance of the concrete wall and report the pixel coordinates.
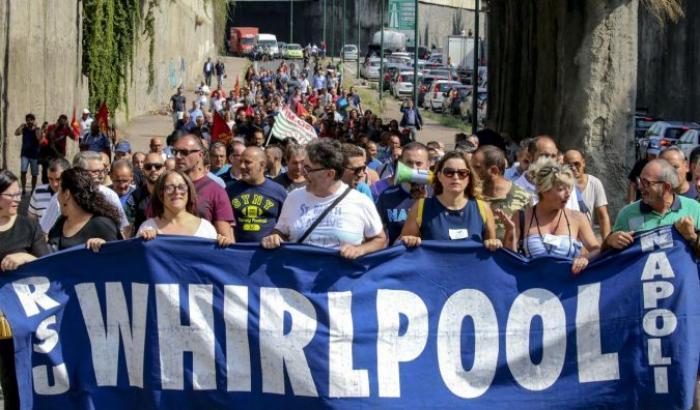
(669, 64)
(40, 70)
(436, 22)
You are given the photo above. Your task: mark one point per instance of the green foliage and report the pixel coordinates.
(110, 33)
(149, 31)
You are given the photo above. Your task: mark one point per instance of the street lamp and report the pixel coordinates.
(381, 51)
(357, 18)
(291, 21)
(415, 57)
(475, 72)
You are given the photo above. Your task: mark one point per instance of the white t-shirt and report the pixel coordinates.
(350, 222)
(52, 213)
(594, 195)
(205, 230)
(523, 183)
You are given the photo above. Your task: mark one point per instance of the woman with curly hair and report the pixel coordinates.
(456, 211)
(86, 216)
(549, 228)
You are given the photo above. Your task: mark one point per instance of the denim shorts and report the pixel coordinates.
(26, 162)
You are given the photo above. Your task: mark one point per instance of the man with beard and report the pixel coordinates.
(137, 207)
(355, 172)
(394, 202)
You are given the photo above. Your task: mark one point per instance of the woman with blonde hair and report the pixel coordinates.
(549, 228)
(456, 210)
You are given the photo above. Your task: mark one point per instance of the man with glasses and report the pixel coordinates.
(355, 168)
(543, 146)
(92, 162)
(352, 226)
(212, 202)
(255, 199)
(659, 206)
(138, 204)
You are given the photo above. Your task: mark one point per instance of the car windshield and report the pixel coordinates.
(267, 43)
(293, 47)
(247, 41)
(406, 78)
(349, 48)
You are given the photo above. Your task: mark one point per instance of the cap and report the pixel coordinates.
(86, 111)
(123, 147)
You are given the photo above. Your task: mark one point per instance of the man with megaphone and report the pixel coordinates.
(411, 182)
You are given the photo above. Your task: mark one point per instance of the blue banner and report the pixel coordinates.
(177, 323)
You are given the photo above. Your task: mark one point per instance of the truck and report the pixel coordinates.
(459, 52)
(241, 40)
(393, 41)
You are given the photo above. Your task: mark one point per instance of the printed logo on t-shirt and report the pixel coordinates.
(252, 211)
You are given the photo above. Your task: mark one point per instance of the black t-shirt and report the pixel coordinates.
(178, 103)
(636, 172)
(24, 236)
(97, 227)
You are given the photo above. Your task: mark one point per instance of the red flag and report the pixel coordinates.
(102, 118)
(220, 132)
(75, 125)
(237, 88)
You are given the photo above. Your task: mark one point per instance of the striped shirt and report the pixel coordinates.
(40, 200)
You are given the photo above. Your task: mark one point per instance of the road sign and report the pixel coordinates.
(402, 14)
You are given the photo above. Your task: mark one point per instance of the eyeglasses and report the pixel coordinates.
(14, 197)
(308, 169)
(184, 152)
(645, 182)
(358, 170)
(151, 166)
(96, 171)
(450, 173)
(181, 188)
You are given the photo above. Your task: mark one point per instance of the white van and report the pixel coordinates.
(268, 40)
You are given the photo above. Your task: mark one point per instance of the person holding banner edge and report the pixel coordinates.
(549, 228)
(327, 212)
(455, 211)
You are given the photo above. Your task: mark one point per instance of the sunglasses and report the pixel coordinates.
(358, 170)
(152, 166)
(184, 152)
(450, 173)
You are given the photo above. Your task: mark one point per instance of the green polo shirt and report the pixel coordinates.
(639, 216)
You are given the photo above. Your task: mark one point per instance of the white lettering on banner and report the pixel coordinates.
(32, 294)
(393, 348)
(345, 381)
(593, 365)
(40, 377)
(47, 336)
(174, 338)
(237, 348)
(476, 381)
(531, 303)
(278, 349)
(658, 322)
(108, 333)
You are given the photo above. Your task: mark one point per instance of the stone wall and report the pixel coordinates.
(568, 69)
(669, 64)
(40, 71)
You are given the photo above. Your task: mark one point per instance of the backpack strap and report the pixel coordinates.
(482, 209)
(421, 205)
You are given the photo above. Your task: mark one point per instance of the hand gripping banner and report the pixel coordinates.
(177, 323)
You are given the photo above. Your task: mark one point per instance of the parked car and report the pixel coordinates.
(665, 134)
(402, 83)
(452, 103)
(688, 141)
(294, 51)
(482, 98)
(390, 70)
(350, 52)
(425, 82)
(423, 52)
(370, 70)
(436, 94)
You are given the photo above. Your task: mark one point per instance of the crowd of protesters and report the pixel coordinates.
(362, 185)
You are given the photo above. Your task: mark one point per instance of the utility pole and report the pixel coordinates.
(415, 57)
(342, 15)
(291, 21)
(329, 47)
(357, 18)
(475, 71)
(324, 23)
(381, 51)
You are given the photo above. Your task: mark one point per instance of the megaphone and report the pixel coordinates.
(405, 174)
